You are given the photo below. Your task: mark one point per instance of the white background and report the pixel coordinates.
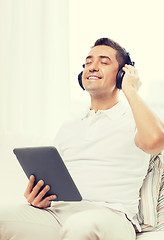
(43, 45)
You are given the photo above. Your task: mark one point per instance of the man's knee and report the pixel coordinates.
(81, 227)
(97, 225)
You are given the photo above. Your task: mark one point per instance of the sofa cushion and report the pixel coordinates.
(149, 193)
(160, 213)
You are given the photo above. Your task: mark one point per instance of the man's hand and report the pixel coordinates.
(131, 79)
(36, 198)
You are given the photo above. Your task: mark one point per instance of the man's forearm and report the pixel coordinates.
(150, 135)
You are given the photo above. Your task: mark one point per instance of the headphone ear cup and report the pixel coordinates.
(119, 78)
(121, 73)
(80, 80)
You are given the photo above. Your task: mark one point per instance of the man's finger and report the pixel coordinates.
(29, 186)
(42, 202)
(35, 191)
(42, 194)
(46, 202)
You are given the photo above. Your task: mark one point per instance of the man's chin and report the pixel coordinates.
(92, 86)
(92, 89)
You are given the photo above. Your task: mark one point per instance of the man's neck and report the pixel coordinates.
(103, 104)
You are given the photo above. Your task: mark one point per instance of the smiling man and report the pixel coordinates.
(99, 75)
(106, 151)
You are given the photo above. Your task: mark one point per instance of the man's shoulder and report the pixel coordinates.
(127, 119)
(122, 111)
(126, 109)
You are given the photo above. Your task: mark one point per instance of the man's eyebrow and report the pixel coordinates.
(89, 57)
(105, 57)
(101, 56)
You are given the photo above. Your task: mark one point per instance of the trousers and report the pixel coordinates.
(64, 221)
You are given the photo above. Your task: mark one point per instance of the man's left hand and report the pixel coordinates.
(131, 80)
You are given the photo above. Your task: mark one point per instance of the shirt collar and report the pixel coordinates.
(112, 113)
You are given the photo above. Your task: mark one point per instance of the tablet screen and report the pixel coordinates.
(46, 164)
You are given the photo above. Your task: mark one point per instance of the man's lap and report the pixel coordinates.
(37, 223)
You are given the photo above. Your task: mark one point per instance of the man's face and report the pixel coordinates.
(101, 67)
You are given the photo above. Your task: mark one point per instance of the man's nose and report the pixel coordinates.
(94, 67)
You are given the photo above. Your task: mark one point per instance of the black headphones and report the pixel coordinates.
(119, 76)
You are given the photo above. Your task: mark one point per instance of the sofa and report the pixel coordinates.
(151, 235)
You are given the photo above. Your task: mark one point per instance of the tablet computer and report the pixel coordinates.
(46, 163)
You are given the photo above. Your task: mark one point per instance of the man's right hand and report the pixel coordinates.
(36, 198)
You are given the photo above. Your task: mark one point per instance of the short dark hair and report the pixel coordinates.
(121, 55)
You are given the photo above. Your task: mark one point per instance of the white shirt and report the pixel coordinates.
(102, 158)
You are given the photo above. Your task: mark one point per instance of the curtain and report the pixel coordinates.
(34, 76)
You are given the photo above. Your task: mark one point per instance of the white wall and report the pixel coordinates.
(34, 81)
(136, 25)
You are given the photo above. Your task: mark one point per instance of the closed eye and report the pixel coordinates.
(88, 63)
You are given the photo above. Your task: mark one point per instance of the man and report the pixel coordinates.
(107, 153)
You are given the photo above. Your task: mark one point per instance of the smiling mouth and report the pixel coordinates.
(93, 78)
